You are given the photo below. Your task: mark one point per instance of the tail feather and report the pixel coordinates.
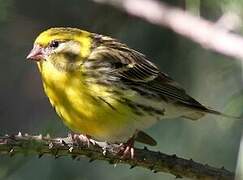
(211, 111)
(199, 114)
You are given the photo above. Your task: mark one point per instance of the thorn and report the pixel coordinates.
(70, 149)
(51, 145)
(40, 155)
(48, 136)
(56, 154)
(104, 151)
(70, 135)
(151, 167)
(12, 137)
(74, 157)
(91, 160)
(178, 177)
(132, 166)
(11, 152)
(155, 171)
(40, 137)
(111, 162)
(143, 157)
(173, 156)
(64, 143)
(19, 134)
(90, 155)
(170, 167)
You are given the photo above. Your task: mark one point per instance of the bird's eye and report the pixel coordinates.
(54, 44)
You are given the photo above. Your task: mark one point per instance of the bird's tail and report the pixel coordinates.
(202, 112)
(211, 111)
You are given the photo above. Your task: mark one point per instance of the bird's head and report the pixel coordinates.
(63, 47)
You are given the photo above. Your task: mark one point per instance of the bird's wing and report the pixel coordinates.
(139, 72)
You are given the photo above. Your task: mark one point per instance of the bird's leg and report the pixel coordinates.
(127, 149)
(82, 138)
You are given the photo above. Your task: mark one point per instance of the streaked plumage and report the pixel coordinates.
(105, 89)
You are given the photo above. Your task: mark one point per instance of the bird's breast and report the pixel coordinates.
(94, 110)
(85, 108)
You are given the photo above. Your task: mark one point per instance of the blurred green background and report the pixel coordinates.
(212, 79)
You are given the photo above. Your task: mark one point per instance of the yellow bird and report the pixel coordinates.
(103, 89)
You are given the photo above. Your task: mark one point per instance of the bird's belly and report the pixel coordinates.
(101, 117)
(104, 118)
(96, 112)
(92, 109)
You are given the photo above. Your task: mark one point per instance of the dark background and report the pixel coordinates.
(214, 80)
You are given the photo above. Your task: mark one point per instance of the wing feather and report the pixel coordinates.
(136, 71)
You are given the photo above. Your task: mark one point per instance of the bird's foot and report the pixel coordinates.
(127, 149)
(81, 138)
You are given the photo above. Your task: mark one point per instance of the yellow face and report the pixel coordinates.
(65, 48)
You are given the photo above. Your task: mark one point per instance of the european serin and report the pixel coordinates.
(102, 88)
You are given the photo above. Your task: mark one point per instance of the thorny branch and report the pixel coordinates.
(154, 161)
(203, 32)
(209, 35)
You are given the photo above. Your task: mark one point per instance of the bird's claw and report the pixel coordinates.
(81, 138)
(127, 149)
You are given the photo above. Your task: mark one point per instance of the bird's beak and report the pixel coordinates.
(36, 54)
